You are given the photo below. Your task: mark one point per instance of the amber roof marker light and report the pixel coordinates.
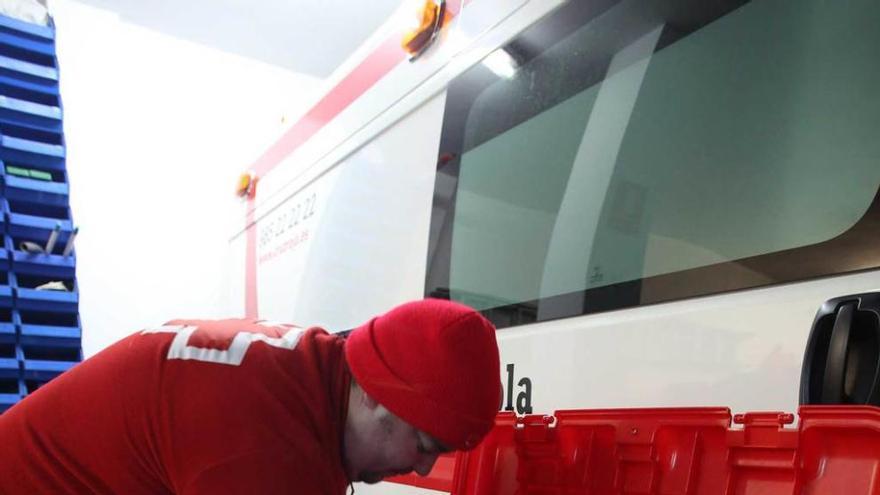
(247, 185)
(432, 18)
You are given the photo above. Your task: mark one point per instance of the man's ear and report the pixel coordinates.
(368, 401)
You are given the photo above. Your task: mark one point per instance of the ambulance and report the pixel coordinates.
(658, 203)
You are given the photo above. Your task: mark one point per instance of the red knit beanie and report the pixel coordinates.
(434, 364)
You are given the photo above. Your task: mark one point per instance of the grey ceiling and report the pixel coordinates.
(307, 36)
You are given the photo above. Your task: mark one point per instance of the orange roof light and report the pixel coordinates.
(247, 184)
(432, 18)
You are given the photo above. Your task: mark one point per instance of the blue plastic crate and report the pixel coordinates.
(45, 131)
(28, 44)
(27, 60)
(46, 300)
(5, 296)
(51, 212)
(27, 29)
(37, 191)
(8, 400)
(36, 369)
(23, 46)
(28, 72)
(9, 367)
(51, 336)
(42, 91)
(49, 265)
(28, 298)
(8, 328)
(5, 284)
(56, 330)
(29, 153)
(42, 363)
(38, 228)
(34, 220)
(18, 111)
(11, 392)
(7, 333)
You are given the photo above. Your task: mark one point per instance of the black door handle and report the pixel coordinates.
(842, 359)
(835, 367)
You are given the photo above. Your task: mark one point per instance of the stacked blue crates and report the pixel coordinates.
(40, 332)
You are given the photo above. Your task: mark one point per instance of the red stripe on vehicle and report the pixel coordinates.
(250, 265)
(353, 86)
(373, 68)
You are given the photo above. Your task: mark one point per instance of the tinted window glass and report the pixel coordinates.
(623, 153)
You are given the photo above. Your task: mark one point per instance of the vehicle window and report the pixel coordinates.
(626, 153)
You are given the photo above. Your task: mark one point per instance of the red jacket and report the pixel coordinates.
(195, 407)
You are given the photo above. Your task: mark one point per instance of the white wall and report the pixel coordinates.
(158, 130)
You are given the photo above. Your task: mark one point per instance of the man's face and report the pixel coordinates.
(391, 447)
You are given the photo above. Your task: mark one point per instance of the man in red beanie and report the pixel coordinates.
(241, 407)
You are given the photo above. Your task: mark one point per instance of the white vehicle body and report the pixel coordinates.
(349, 209)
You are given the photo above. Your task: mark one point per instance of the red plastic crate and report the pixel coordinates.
(834, 450)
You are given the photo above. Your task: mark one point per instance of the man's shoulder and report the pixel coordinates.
(229, 341)
(234, 325)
